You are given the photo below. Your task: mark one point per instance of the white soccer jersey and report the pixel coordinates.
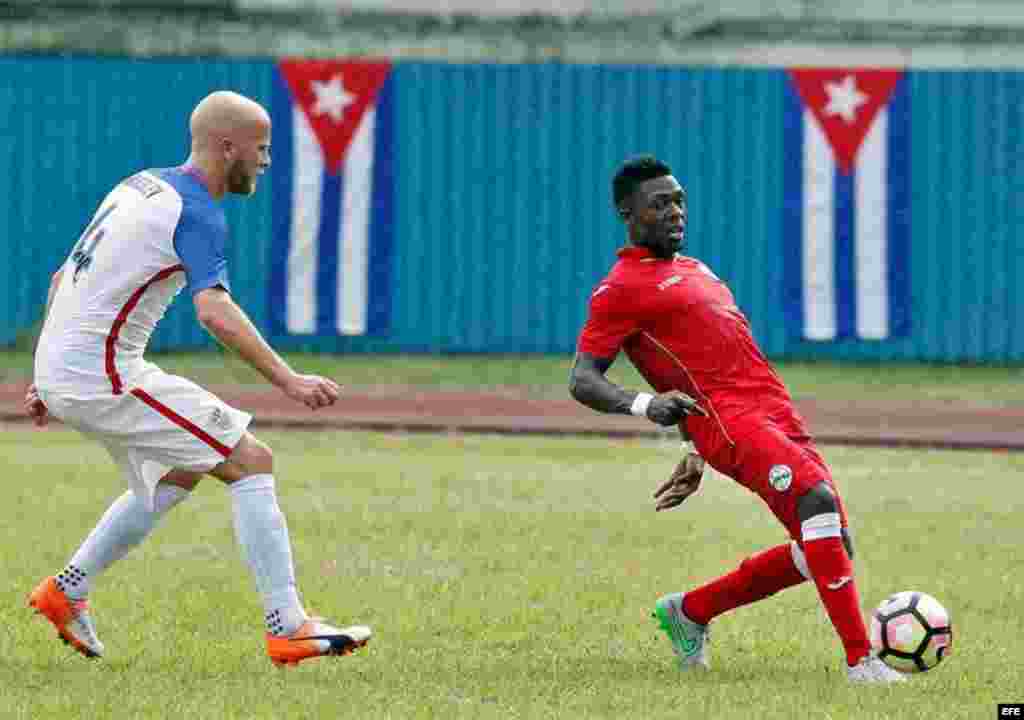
(154, 233)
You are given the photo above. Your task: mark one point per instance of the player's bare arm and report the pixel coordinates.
(228, 323)
(588, 385)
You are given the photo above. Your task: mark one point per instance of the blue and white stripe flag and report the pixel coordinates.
(331, 148)
(847, 204)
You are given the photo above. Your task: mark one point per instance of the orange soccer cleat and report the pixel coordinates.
(70, 617)
(315, 639)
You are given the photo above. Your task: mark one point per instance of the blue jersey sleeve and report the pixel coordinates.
(200, 241)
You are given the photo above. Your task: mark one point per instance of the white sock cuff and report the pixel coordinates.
(167, 496)
(253, 483)
(799, 560)
(821, 526)
(283, 598)
(640, 403)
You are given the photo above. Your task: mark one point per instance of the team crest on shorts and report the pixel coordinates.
(780, 477)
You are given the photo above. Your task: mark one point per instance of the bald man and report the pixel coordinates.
(155, 233)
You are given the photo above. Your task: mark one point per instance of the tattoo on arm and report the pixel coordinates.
(588, 385)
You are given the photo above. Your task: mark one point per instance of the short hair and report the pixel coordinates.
(633, 172)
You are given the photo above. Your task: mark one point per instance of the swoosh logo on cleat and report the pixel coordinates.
(329, 638)
(688, 643)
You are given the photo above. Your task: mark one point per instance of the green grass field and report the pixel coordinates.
(504, 578)
(547, 375)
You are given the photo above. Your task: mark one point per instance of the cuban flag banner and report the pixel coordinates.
(332, 238)
(847, 203)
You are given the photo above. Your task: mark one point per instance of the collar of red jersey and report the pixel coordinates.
(636, 252)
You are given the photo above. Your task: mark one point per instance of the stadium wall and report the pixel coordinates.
(502, 206)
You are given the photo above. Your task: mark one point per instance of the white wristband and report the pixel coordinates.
(639, 407)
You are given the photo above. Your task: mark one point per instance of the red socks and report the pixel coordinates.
(772, 570)
(832, 571)
(757, 577)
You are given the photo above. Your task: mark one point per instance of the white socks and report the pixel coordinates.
(124, 525)
(259, 526)
(263, 534)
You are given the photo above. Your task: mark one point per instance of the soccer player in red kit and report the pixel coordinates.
(679, 325)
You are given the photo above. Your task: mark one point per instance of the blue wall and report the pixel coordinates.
(70, 128)
(503, 212)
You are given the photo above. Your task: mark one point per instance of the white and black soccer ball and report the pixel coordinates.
(911, 632)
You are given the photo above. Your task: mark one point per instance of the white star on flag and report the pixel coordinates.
(844, 98)
(332, 98)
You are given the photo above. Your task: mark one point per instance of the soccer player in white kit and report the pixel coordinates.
(155, 233)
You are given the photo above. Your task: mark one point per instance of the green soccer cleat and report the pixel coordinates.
(689, 640)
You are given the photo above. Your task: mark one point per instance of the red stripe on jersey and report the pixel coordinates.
(705, 400)
(122, 317)
(182, 422)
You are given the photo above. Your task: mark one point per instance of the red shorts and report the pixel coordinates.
(776, 459)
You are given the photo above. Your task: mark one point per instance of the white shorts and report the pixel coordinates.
(161, 423)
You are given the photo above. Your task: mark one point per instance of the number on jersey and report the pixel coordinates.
(81, 256)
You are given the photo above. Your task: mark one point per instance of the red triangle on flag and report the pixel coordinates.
(845, 101)
(334, 95)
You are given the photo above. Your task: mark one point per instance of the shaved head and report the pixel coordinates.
(230, 142)
(224, 114)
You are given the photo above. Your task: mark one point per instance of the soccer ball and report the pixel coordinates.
(911, 632)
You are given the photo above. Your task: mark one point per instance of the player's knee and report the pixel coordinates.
(253, 456)
(819, 500)
(184, 479)
(818, 510)
(262, 458)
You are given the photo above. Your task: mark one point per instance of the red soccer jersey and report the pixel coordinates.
(680, 326)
